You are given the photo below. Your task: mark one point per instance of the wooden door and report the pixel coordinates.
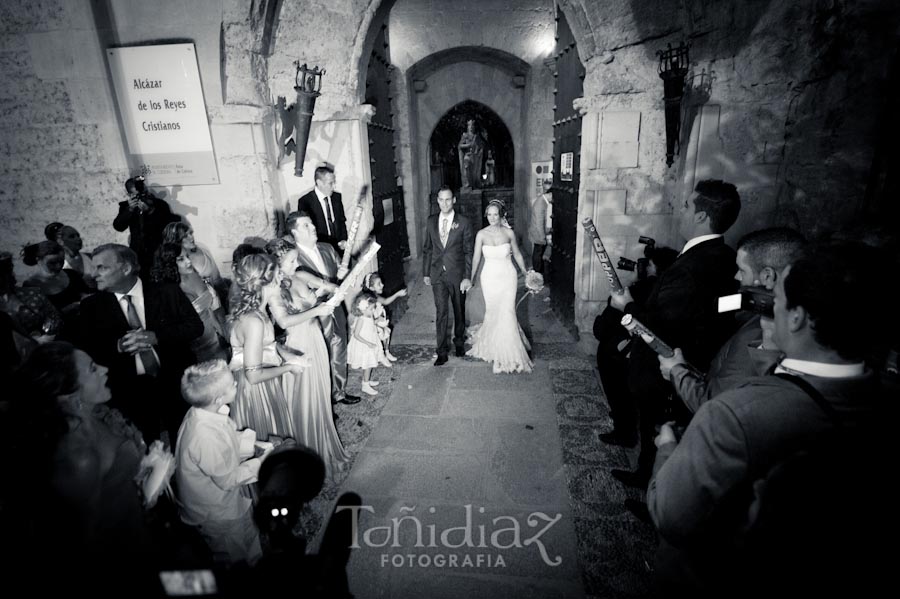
(566, 154)
(388, 206)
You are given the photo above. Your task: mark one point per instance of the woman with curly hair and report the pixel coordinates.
(171, 265)
(182, 234)
(261, 402)
(295, 310)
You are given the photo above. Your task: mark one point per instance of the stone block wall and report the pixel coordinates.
(522, 28)
(782, 99)
(63, 149)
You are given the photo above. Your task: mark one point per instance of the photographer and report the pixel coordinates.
(145, 216)
(761, 256)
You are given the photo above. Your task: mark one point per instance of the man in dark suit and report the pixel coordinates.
(446, 264)
(142, 333)
(318, 265)
(326, 208)
(682, 310)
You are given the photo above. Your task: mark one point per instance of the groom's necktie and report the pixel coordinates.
(445, 231)
(147, 357)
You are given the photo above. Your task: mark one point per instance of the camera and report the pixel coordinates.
(641, 264)
(757, 300)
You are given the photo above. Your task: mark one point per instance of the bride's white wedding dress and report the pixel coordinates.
(499, 339)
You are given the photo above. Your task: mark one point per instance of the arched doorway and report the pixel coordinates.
(491, 163)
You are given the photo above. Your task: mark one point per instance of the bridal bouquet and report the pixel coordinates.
(534, 284)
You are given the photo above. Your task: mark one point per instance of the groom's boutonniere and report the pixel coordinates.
(455, 225)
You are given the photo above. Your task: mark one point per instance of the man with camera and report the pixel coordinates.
(724, 482)
(145, 216)
(761, 256)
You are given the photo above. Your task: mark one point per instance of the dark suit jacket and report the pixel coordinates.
(168, 313)
(337, 321)
(455, 260)
(310, 203)
(682, 308)
(329, 257)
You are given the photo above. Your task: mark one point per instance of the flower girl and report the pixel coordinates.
(364, 350)
(372, 282)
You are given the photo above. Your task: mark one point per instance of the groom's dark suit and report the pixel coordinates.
(334, 325)
(448, 266)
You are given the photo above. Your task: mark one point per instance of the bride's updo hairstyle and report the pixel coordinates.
(501, 208)
(252, 274)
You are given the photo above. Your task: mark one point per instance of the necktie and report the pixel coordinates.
(329, 219)
(147, 357)
(444, 231)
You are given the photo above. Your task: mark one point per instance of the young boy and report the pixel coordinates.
(210, 470)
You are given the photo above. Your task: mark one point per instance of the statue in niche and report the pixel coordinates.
(471, 150)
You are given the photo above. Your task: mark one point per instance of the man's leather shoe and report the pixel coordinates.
(635, 480)
(460, 352)
(639, 510)
(441, 360)
(349, 399)
(616, 438)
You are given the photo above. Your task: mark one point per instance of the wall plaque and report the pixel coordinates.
(163, 112)
(566, 166)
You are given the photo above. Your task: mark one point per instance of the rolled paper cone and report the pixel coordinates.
(635, 327)
(370, 252)
(354, 229)
(602, 254)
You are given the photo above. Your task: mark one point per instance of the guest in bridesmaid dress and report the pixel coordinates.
(261, 402)
(295, 310)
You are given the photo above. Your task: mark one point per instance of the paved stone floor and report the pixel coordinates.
(457, 448)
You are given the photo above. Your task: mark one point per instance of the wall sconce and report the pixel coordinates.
(308, 84)
(673, 66)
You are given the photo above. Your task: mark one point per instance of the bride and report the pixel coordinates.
(499, 339)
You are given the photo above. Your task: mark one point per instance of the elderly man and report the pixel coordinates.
(142, 333)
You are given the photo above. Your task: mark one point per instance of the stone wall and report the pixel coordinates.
(782, 101)
(521, 28)
(63, 149)
(785, 100)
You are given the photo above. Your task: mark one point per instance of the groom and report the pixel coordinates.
(447, 260)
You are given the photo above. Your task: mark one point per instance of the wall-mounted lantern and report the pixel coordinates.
(308, 86)
(673, 66)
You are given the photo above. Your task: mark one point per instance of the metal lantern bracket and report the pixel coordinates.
(673, 67)
(297, 118)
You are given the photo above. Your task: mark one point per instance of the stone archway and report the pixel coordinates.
(439, 82)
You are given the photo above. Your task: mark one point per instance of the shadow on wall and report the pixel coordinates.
(658, 18)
